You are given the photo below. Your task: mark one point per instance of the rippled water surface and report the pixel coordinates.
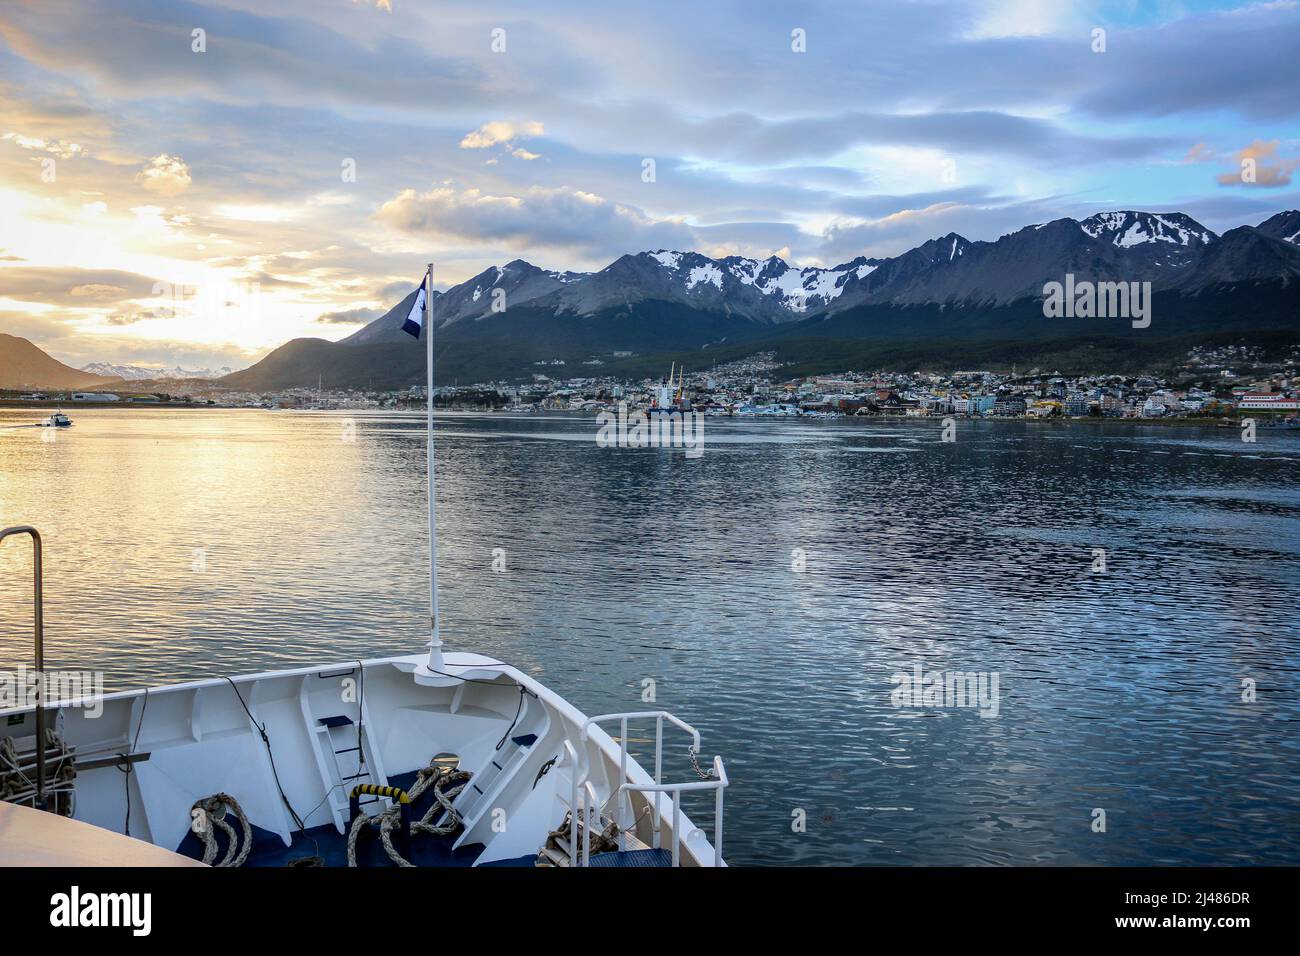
(188, 543)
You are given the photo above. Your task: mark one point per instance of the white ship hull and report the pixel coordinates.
(527, 751)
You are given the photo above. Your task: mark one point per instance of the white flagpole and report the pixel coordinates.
(435, 642)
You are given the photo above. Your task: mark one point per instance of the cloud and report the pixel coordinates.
(395, 291)
(500, 132)
(907, 228)
(36, 327)
(78, 350)
(1017, 18)
(350, 316)
(53, 147)
(98, 291)
(749, 138)
(563, 216)
(73, 287)
(1239, 61)
(827, 155)
(165, 175)
(1258, 165)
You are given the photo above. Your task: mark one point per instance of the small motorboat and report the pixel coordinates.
(57, 420)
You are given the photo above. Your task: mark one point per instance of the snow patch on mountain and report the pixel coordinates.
(1127, 229)
(702, 274)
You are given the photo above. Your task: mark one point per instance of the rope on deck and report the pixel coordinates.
(18, 773)
(447, 785)
(209, 815)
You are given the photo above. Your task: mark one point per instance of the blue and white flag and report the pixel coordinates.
(415, 318)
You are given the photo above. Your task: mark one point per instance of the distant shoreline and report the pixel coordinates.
(57, 404)
(1231, 424)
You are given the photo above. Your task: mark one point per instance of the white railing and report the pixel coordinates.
(677, 789)
(718, 783)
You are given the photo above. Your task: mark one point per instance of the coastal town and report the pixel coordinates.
(1213, 385)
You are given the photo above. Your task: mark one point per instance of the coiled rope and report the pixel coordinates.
(208, 815)
(446, 783)
(18, 773)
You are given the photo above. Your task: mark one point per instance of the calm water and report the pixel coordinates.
(185, 544)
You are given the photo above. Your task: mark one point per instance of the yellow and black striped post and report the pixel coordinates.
(397, 795)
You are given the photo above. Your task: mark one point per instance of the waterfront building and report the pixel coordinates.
(1009, 405)
(1275, 402)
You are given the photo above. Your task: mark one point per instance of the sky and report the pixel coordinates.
(172, 197)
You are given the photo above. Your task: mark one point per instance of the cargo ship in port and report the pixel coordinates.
(669, 398)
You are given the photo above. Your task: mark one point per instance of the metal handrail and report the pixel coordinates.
(660, 716)
(676, 789)
(39, 614)
(658, 787)
(574, 784)
(590, 802)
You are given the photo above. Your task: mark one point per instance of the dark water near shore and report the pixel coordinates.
(1120, 691)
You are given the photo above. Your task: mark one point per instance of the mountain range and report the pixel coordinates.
(942, 297)
(138, 373)
(942, 303)
(24, 365)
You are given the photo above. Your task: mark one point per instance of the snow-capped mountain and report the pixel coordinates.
(1242, 256)
(766, 290)
(789, 290)
(1166, 249)
(496, 289)
(1116, 246)
(1127, 229)
(1284, 226)
(137, 373)
(514, 283)
(947, 293)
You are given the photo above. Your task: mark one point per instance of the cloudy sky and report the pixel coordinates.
(165, 204)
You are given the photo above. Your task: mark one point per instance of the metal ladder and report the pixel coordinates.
(334, 737)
